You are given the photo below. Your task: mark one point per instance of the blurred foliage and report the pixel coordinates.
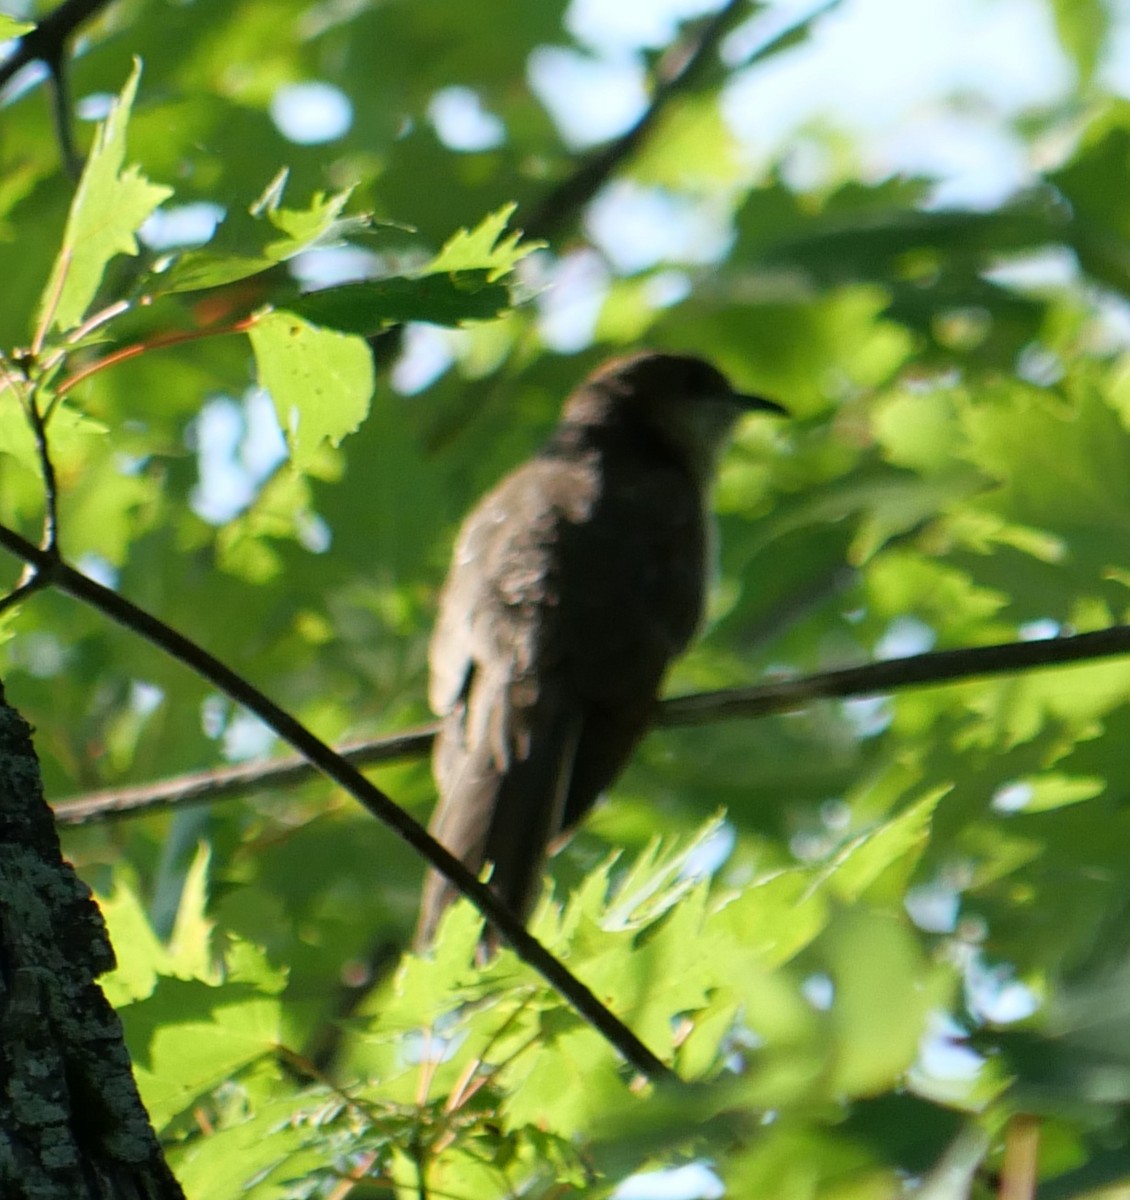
(908, 925)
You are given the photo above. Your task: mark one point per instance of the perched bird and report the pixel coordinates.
(573, 584)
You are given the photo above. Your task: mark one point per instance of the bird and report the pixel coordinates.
(572, 586)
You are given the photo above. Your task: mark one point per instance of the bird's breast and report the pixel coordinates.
(629, 578)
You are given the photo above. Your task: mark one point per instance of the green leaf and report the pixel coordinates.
(68, 427)
(658, 879)
(1069, 476)
(777, 915)
(258, 1157)
(141, 957)
(190, 945)
(862, 867)
(109, 208)
(321, 381)
(1054, 790)
(255, 239)
(483, 248)
(1092, 182)
(11, 28)
(673, 969)
(693, 149)
(459, 284)
(367, 307)
(248, 546)
(1083, 26)
(881, 1000)
(566, 1049)
(103, 515)
(188, 1036)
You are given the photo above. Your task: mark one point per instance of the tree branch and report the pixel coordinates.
(918, 670)
(693, 59)
(64, 577)
(202, 787)
(757, 700)
(59, 75)
(47, 42)
(570, 196)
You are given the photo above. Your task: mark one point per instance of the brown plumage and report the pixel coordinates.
(572, 586)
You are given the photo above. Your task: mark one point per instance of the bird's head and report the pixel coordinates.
(690, 405)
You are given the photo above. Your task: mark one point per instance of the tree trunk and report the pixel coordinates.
(72, 1124)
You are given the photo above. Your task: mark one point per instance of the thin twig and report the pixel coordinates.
(49, 43)
(50, 539)
(91, 323)
(1020, 1169)
(31, 583)
(57, 68)
(127, 614)
(52, 304)
(50, 37)
(32, 580)
(757, 700)
(161, 342)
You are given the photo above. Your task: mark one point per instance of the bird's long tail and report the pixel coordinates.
(502, 814)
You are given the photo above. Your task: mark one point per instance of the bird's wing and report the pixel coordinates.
(510, 728)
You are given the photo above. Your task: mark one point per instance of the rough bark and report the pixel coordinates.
(72, 1125)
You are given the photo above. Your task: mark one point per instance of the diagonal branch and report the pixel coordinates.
(694, 59)
(570, 196)
(64, 577)
(757, 700)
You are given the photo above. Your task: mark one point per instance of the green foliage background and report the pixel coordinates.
(901, 873)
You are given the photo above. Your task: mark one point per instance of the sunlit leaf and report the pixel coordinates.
(10, 27)
(487, 247)
(321, 381)
(1082, 27)
(109, 208)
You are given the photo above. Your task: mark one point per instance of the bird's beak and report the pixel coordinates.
(757, 404)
